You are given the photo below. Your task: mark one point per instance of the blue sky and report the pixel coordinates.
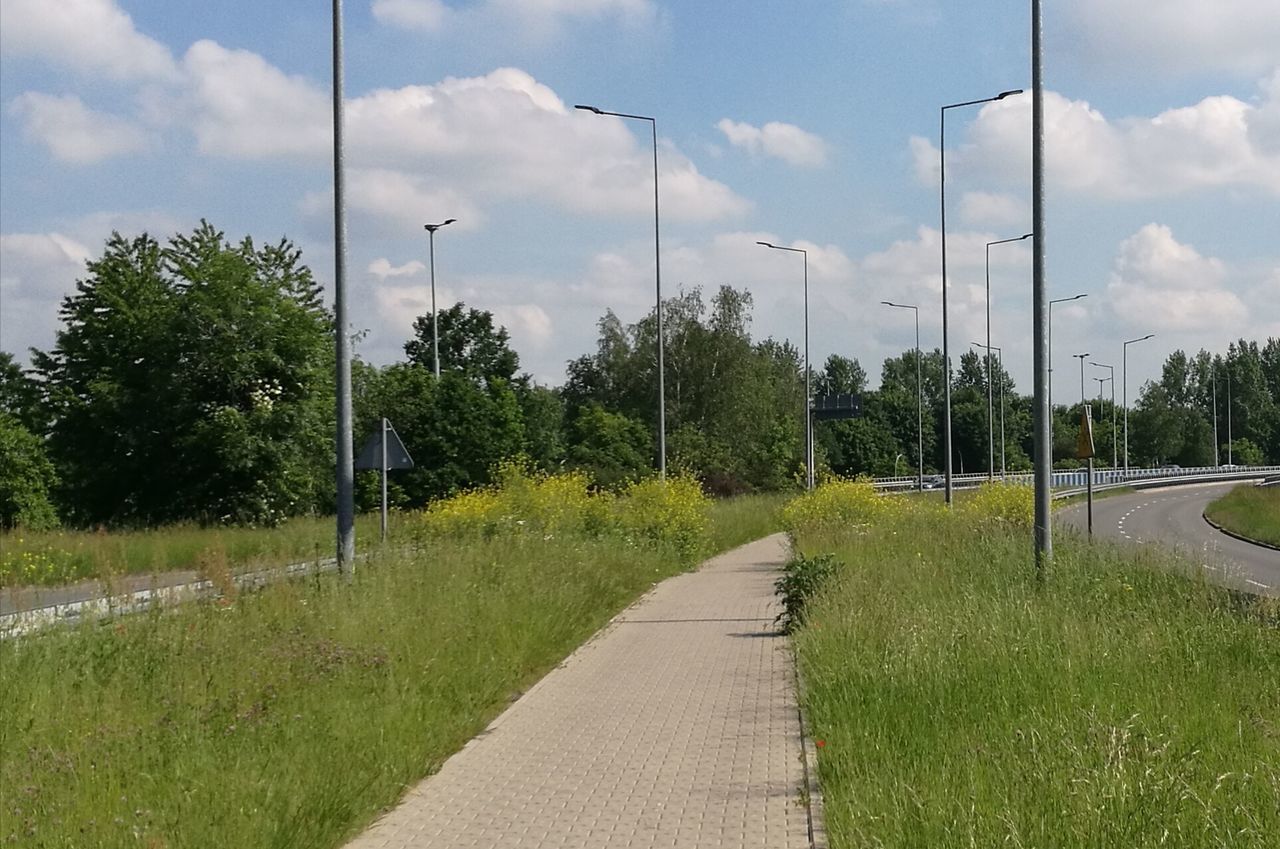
(813, 124)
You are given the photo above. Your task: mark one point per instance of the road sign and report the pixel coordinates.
(371, 453)
(1084, 440)
(827, 407)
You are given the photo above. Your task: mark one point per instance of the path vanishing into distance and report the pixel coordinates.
(1174, 517)
(675, 726)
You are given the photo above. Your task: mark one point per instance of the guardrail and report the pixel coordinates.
(1078, 478)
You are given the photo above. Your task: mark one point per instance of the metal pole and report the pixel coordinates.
(946, 350)
(919, 403)
(346, 542)
(1213, 378)
(1230, 459)
(384, 478)
(808, 392)
(1114, 458)
(1125, 395)
(991, 441)
(657, 281)
(1000, 354)
(1039, 298)
(435, 326)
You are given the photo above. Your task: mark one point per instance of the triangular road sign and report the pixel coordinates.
(370, 456)
(1084, 440)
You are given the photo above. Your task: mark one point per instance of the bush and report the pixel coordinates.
(26, 477)
(837, 504)
(1004, 503)
(801, 578)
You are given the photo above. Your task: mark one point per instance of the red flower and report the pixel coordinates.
(820, 743)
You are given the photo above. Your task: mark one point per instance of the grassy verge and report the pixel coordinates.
(48, 558)
(291, 716)
(739, 520)
(960, 702)
(1250, 511)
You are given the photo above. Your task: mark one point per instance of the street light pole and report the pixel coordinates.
(946, 352)
(991, 448)
(808, 420)
(1000, 359)
(346, 542)
(1124, 376)
(1112, 378)
(1230, 460)
(657, 276)
(435, 327)
(1049, 340)
(1213, 378)
(919, 390)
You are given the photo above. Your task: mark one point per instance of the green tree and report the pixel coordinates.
(470, 343)
(610, 447)
(192, 381)
(20, 395)
(26, 478)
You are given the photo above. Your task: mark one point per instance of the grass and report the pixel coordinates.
(744, 518)
(959, 702)
(1251, 511)
(290, 717)
(65, 556)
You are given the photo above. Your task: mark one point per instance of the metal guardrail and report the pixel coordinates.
(1078, 478)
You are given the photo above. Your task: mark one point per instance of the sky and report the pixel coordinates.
(812, 124)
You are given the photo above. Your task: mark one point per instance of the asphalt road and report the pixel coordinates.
(1174, 517)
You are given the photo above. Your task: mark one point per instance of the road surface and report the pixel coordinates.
(1174, 516)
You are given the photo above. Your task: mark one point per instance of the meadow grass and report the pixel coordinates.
(957, 700)
(291, 716)
(1251, 511)
(46, 558)
(744, 518)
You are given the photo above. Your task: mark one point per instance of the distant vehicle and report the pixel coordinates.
(1228, 466)
(934, 481)
(1173, 466)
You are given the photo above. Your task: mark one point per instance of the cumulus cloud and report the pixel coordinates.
(784, 141)
(527, 17)
(75, 133)
(93, 37)
(382, 268)
(502, 135)
(1176, 36)
(1171, 285)
(383, 198)
(1208, 145)
(994, 210)
(36, 271)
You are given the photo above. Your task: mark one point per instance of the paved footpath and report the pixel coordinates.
(676, 726)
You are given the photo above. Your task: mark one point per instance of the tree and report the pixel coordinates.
(470, 344)
(192, 381)
(26, 478)
(610, 447)
(20, 395)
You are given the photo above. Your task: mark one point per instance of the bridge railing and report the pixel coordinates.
(1074, 478)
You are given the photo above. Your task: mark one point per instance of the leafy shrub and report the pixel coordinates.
(26, 477)
(801, 578)
(673, 512)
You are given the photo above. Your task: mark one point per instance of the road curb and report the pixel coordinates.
(1240, 537)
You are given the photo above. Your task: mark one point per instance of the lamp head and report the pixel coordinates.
(588, 108)
(766, 244)
(1002, 95)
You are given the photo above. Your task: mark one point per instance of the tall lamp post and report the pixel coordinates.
(1124, 377)
(991, 446)
(657, 276)
(808, 395)
(1213, 378)
(919, 390)
(946, 351)
(1050, 343)
(1112, 378)
(345, 473)
(435, 327)
(1000, 359)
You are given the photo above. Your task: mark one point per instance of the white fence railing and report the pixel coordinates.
(1079, 477)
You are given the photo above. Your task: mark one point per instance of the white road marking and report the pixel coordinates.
(1256, 584)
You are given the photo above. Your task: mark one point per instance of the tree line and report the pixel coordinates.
(193, 381)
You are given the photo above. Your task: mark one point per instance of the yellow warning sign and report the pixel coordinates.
(1084, 441)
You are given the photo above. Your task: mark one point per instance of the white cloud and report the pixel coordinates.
(36, 271)
(1181, 150)
(994, 210)
(92, 37)
(75, 133)
(784, 141)
(1176, 36)
(243, 106)
(382, 268)
(427, 15)
(1171, 285)
(392, 199)
(502, 135)
(524, 18)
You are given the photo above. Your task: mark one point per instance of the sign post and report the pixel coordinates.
(1085, 451)
(384, 451)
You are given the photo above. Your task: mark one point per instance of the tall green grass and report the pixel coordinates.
(959, 701)
(1251, 511)
(290, 717)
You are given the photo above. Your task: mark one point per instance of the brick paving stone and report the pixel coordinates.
(675, 726)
